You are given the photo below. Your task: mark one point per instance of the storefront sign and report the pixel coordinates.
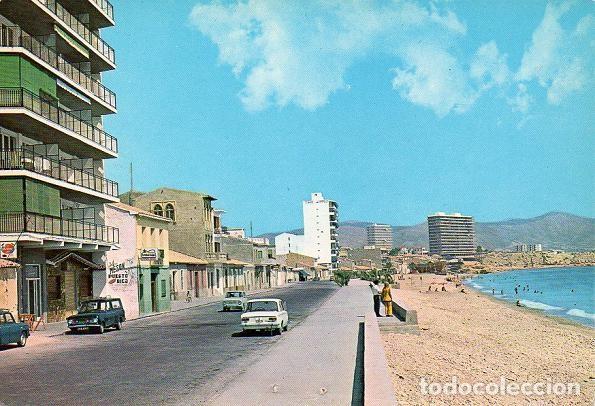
(119, 274)
(149, 254)
(8, 250)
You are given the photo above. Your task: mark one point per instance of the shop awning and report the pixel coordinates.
(71, 255)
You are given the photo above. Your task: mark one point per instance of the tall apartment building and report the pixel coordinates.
(320, 230)
(52, 147)
(451, 235)
(380, 236)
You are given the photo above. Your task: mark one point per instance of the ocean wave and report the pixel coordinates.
(476, 286)
(580, 313)
(486, 291)
(539, 305)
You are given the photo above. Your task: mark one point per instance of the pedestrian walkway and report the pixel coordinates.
(313, 363)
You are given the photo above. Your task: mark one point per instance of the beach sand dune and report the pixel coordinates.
(478, 339)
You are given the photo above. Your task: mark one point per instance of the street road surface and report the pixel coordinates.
(156, 360)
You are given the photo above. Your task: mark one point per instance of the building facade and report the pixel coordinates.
(380, 236)
(528, 248)
(451, 235)
(138, 272)
(320, 230)
(286, 243)
(52, 147)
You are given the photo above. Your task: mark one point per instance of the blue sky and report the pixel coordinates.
(395, 109)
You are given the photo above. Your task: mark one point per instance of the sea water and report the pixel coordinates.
(566, 292)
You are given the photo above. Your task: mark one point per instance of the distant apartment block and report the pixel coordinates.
(320, 238)
(451, 235)
(380, 236)
(528, 248)
(320, 230)
(289, 243)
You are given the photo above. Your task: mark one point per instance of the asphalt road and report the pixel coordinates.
(157, 360)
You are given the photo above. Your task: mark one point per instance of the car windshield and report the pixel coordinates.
(264, 306)
(92, 306)
(233, 294)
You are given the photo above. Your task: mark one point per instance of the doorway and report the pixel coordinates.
(154, 293)
(34, 297)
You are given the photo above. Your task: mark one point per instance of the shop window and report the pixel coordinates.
(169, 211)
(158, 210)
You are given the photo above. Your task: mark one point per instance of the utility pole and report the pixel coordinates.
(131, 187)
(251, 235)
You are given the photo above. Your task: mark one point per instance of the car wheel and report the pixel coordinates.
(101, 328)
(22, 340)
(119, 325)
(285, 328)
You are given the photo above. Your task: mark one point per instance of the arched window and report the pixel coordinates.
(169, 211)
(158, 210)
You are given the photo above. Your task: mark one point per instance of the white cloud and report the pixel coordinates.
(434, 79)
(559, 60)
(489, 67)
(287, 52)
(298, 53)
(522, 100)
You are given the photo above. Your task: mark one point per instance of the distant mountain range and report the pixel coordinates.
(554, 230)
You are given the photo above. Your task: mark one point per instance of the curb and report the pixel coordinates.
(378, 386)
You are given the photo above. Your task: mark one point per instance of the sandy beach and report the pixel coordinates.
(482, 340)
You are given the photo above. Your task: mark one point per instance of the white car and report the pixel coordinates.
(265, 314)
(235, 299)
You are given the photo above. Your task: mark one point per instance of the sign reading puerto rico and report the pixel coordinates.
(118, 275)
(149, 254)
(8, 250)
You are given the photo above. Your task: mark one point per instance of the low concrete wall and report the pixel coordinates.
(378, 386)
(403, 311)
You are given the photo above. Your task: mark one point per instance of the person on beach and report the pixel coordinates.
(430, 288)
(443, 288)
(387, 299)
(493, 291)
(376, 295)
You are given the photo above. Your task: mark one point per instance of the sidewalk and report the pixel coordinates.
(313, 363)
(59, 328)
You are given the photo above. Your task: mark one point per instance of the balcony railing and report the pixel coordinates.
(26, 159)
(106, 6)
(81, 29)
(19, 97)
(14, 36)
(217, 256)
(16, 222)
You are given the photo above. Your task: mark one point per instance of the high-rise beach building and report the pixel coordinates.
(451, 235)
(53, 144)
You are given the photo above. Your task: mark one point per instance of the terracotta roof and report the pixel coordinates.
(136, 210)
(5, 263)
(176, 257)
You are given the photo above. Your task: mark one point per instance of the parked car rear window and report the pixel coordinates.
(233, 294)
(6, 318)
(262, 306)
(116, 304)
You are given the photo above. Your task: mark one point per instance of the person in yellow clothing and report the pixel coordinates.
(387, 299)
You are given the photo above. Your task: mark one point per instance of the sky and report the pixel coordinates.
(394, 109)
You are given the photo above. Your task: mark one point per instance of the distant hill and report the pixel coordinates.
(553, 230)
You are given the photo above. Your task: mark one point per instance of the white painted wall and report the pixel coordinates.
(124, 258)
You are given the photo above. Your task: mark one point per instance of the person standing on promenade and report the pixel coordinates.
(376, 295)
(387, 299)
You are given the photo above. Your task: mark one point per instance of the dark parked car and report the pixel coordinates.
(98, 314)
(12, 331)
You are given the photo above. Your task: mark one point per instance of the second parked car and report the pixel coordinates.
(235, 299)
(98, 314)
(11, 331)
